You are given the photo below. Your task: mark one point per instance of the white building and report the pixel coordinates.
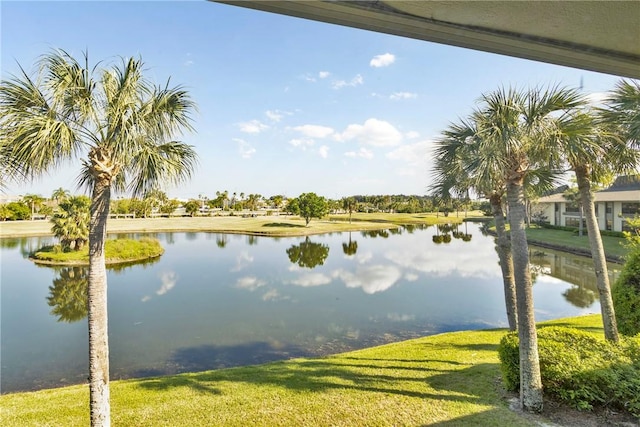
(613, 206)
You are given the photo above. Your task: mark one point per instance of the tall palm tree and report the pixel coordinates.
(518, 127)
(593, 148)
(123, 127)
(460, 166)
(60, 194)
(623, 110)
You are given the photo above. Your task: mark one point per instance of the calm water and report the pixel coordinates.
(215, 300)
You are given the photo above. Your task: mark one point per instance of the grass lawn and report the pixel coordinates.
(567, 239)
(449, 379)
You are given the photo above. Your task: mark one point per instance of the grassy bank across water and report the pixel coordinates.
(277, 225)
(450, 379)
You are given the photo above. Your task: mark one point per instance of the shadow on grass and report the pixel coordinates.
(469, 384)
(283, 224)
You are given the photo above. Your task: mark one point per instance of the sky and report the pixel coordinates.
(285, 105)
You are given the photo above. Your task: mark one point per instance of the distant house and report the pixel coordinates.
(613, 205)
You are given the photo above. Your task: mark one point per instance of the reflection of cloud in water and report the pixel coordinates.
(364, 257)
(411, 277)
(372, 279)
(441, 263)
(274, 295)
(242, 261)
(168, 280)
(396, 317)
(312, 279)
(250, 283)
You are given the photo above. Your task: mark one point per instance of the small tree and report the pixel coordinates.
(71, 222)
(310, 205)
(192, 207)
(349, 204)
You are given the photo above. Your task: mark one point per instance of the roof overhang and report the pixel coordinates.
(601, 36)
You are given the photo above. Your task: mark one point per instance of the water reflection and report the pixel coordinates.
(308, 254)
(375, 233)
(68, 294)
(199, 307)
(350, 248)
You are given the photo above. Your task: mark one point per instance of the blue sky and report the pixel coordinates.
(285, 105)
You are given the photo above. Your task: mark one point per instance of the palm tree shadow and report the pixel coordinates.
(409, 378)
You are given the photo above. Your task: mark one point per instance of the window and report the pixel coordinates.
(572, 207)
(630, 208)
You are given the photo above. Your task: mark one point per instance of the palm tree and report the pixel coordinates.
(593, 149)
(71, 223)
(456, 158)
(60, 194)
(519, 127)
(623, 110)
(349, 204)
(123, 125)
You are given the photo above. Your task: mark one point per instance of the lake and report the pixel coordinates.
(219, 300)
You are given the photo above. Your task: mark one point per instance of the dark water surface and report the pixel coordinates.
(216, 300)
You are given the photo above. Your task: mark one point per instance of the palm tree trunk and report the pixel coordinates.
(97, 310)
(530, 379)
(598, 256)
(503, 247)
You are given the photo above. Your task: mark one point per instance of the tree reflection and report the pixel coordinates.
(350, 248)
(375, 233)
(464, 236)
(68, 294)
(308, 254)
(580, 296)
(222, 240)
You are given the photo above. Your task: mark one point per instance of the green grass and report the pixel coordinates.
(116, 251)
(567, 239)
(450, 379)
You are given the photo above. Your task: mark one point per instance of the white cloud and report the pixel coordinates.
(356, 81)
(244, 148)
(383, 60)
(412, 134)
(362, 153)
(188, 63)
(324, 74)
(250, 283)
(415, 158)
(323, 151)
(314, 131)
(597, 98)
(302, 142)
(372, 279)
(373, 132)
(403, 95)
(276, 115)
(253, 126)
(308, 78)
(312, 279)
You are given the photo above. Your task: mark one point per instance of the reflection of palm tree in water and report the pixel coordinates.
(308, 254)
(68, 294)
(350, 248)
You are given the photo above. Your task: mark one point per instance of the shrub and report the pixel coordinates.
(579, 368)
(626, 295)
